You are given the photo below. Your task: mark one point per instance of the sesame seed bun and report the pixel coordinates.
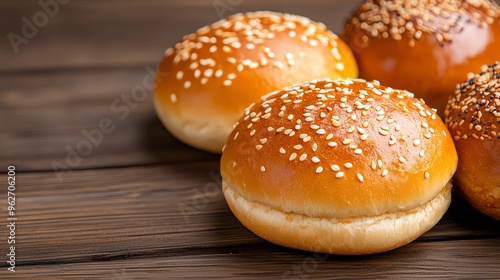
(473, 118)
(339, 166)
(211, 76)
(425, 46)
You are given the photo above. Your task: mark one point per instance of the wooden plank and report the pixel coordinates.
(132, 32)
(111, 213)
(45, 118)
(472, 259)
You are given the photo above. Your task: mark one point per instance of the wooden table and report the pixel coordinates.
(140, 204)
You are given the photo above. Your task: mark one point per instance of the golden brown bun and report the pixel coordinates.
(212, 75)
(426, 46)
(473, 118)
(339, 151)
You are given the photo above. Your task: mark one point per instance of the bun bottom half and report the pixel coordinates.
(203, 132)
(351, 236)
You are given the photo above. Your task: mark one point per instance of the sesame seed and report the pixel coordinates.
(330, 136)
(358, 151)
(179, 75)
(252, 132)
(332, 144)
(402, 159)
(314, 126)
(339, 174)
(416, 142)
(169, 51)
(187, 84)
(208, 73)
(235, 45)
(426, 175)
(173, 97)
(320, 131)
(297, 147)
(319, 169)
(315, 159)
(282, 151)
(263, 168)
(363, 137)
(227, 82)
(307, 139)
(347, 141)
(383, 132)
(303, 157)
(314, 147)
(421, 153)
(384, 172)
(292, 156)
(258, 147)
(360, 177)
(348, 165)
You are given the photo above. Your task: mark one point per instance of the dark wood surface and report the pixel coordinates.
(142, 205)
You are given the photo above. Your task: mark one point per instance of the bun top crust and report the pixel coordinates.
(473, 111)
(339, 148)
(210, 76)
(436, 43)
(409, 20)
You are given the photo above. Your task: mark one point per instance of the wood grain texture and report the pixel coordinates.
(104, 214)
(141, 204)
(453, 259)
(92, 33)
(43, 117)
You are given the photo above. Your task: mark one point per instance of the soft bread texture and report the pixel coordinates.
(339, 149)
(425, 46)
(473, 119)
(349, 236)
(209, 77)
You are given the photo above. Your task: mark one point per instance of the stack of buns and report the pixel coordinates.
(317, 159)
